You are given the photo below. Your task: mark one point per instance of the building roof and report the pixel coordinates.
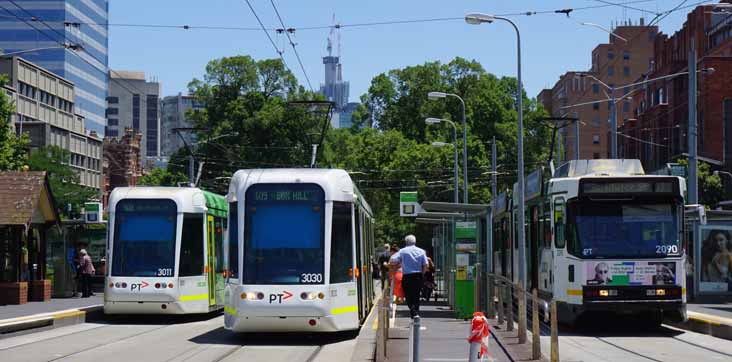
(127, 74)
(26, 198)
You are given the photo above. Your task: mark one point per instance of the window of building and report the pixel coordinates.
(595, 155)
(113, 122)
(113, 100)
(112, 111)
(626, 55)
(596, 123)
(626, 71)
(610, 71)
(136, 111)
(595, 106)
(596, 139)
(626, 106)
(595, 88)
(610, 54)
(111, 132)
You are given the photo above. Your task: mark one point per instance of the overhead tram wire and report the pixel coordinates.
(287, 33)
(63, 42)
(264, 29)
(626, 6)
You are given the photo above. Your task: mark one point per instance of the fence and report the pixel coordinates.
(384, 318)
(511, 301)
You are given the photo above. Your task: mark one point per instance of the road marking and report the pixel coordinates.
(709, 318)
(73, 313)
(376, 323)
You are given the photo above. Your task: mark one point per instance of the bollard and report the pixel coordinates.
(491, 303)
(478, 338)
(521, 313)
(500, 303)
(414, 347)
(509, 302)
(555, 334)
(535, 331)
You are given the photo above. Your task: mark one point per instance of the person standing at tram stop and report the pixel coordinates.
(86, 269)
(413, 260)
(383, 261)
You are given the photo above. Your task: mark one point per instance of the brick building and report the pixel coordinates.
(122, 161)
(657, 132)
(619, 62)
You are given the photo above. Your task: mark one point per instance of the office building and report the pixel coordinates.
(46, 112)
(174, 112)
(134, 103)
(626, 57)
(58, 22)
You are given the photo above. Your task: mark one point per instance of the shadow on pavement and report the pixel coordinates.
(145, 319)
(609, 325)
(225, 337)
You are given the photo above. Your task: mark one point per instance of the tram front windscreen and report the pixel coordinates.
(284, 234)
(144, 238)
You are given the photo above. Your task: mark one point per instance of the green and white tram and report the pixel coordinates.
(604, 237)
(300, 241)
(165, 251)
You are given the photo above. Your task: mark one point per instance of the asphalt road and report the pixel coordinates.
(171, 339)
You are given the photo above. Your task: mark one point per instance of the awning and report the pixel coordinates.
(424, 220)
(466, 210)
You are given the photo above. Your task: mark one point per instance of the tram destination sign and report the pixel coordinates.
(628, 187)
(285, 195)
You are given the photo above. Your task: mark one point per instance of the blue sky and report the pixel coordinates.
(551, 43)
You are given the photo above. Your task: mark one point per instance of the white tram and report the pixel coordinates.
(304, 239)
(165, 251)
(601, 236)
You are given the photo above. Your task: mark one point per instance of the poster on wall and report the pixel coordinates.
(631, 273)
(716, 259)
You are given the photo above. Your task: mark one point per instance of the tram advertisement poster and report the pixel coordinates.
(631, 273)
(716, 259)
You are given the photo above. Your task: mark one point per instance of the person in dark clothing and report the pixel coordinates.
(383, 262)
(86, 268)
(429, 281)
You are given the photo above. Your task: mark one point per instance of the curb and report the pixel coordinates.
(707, 324)
(50, 320)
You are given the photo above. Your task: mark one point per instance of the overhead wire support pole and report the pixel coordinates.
(693, 187)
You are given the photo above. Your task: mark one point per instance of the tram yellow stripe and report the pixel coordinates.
(574, 292)
(341, 310)
(230, 310)
(186, 298)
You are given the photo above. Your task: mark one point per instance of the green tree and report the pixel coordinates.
(162, 177)
(711, 190)
(64, 181)
(13, 149)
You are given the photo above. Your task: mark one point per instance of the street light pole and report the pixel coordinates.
(483, 18)
(455, 162)
(437, 95)
(613, 124)
(693, 190)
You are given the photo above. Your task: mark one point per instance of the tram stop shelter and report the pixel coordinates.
(461, 240)
(27, 212)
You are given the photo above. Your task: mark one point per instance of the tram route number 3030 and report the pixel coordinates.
(309, 278)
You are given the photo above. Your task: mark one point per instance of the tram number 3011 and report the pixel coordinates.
(309, 278)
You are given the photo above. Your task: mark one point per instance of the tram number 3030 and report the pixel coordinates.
(306, 278)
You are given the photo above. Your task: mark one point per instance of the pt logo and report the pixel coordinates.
(138, 286)
(279, 297)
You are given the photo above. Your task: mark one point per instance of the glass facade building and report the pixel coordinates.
(58, 22)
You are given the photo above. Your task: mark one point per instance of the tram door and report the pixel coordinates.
(357, 262)
(211, 261)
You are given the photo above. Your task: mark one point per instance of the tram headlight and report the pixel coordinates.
(117, 285)
(660, 291)
(321, 296)
(308, 296)
(604, 293)
(243, 295)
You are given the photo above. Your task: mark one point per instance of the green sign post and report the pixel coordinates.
(466, 233)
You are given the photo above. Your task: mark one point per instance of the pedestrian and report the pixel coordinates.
(86, 269)
(413, 261)
(429, 281)
(383, 261)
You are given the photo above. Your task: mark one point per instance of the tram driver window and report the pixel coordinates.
(341, 244)
(191, 246)
(559, 219)
(233, 240)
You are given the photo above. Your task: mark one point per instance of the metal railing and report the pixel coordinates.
(506, 293)
(384, 320)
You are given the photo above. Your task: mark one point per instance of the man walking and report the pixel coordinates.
(414, 263)
(86, 269)
(383, 261)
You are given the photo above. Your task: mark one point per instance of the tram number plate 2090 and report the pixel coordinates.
(311, 278)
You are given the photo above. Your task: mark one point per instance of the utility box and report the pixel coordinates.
(93, 212)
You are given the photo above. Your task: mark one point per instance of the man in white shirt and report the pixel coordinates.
(413, 260)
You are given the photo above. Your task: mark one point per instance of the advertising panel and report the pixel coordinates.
(716, 259)
(631, 273)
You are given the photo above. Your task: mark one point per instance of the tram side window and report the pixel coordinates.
(547, 227)
(234, 239)
(191, 246)
(559, 220)
(341, 244)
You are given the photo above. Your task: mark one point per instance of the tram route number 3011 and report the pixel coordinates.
(165, 272)
(310, 278)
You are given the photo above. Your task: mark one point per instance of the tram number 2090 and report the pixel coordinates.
(308, 278)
